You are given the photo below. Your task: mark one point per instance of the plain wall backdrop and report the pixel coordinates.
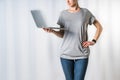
(29, 53)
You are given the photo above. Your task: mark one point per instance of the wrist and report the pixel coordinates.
(93, 40)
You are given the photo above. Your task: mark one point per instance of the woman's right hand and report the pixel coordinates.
(48, 30)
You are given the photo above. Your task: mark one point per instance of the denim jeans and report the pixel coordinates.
(74, 69)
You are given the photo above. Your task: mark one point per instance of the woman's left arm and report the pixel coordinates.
(97, 34)
(99, 29)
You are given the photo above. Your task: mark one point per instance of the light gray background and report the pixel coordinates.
(29, 53)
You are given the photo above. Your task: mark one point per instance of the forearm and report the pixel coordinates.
(97, 35)
(58, 33)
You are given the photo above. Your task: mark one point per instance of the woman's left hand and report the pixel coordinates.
(87, 43)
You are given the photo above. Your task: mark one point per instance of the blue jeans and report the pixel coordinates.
(74, 69)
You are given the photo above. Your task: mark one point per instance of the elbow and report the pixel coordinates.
(98, 26)
(62, 36)
(101, 29)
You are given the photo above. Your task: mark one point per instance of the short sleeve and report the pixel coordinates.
(60, 20)
(91, 18)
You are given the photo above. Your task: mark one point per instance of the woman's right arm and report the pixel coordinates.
(59, 33)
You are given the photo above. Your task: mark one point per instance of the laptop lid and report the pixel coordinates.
(37, 16)
(39, 21)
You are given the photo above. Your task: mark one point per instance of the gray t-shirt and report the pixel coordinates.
(75, 33)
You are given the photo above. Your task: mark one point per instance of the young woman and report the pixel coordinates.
(75, 46)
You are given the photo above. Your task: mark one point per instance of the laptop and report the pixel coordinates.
(39, 21)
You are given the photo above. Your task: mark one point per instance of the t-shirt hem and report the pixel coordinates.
(72, 58)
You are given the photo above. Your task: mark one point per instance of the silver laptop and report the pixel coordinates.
(39, 21)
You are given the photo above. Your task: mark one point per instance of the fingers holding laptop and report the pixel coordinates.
(49, 30)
